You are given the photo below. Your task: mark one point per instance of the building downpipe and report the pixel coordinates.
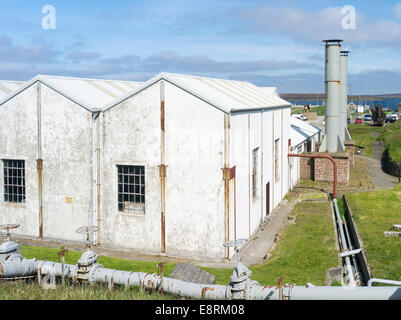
(96, 220)
(226, 178)
(162, 169)
(39, 160)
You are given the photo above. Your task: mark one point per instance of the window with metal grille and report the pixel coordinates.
(131, 189)
(14, 181)
(277, 159)
(255, 172)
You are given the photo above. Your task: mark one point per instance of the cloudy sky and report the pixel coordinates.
(272, 43)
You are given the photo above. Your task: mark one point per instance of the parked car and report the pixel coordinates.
(348, 120)
(300, 116)
(367, 117)
(390, 118)
(358, 120)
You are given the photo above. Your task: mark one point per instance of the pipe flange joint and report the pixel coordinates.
(248, 289)
(91, 276)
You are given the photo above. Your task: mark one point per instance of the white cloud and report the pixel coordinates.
(397, 10)
(303, 25)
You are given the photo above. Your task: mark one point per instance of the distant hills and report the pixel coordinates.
(320, 96)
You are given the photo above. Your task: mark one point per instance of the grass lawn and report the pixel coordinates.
(390, 134)
(44, 253)
(374, 213)
(32, 291)
(392, 139)
(304, 253)
(362, 136)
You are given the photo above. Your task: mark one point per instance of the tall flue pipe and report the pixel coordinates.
(344, 95)
(332, 81)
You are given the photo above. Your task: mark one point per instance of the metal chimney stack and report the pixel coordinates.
(334, 141)
(345, 136)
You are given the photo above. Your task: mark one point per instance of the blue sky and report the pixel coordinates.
(272, 43)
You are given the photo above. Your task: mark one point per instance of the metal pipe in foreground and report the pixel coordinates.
(377, 280)
(251, 289)
(13, 265)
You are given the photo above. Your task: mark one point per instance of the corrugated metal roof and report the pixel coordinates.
(6, 87)
(99, 94)
(96, 92)
(301, 131)
(231, 95)
(91, 94)
(271, 90)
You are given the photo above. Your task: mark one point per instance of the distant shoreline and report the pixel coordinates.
(311, 96)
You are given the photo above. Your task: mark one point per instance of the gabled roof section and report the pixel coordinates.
(91, 94)
(271, 90)
(226, 95)
(6, 87)
(301, 131)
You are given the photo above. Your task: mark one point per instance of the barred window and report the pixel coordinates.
(131, 189)
(14, 181)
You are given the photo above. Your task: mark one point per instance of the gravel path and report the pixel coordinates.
(255, 251)
(379, 178)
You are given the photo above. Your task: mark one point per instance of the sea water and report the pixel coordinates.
(386, 103)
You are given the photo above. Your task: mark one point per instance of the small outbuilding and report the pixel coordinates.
(304, 137)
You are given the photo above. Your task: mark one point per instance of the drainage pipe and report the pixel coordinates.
(350, 248)
(322, 156)
(95, 177)
(344, 245)
(39, 161)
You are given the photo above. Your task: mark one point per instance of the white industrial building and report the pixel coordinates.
(303, 137)
(7, 87)
(178, 164)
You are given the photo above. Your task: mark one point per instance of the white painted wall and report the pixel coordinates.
(250, 131)
(194, 187)
(66, 154)
(67, 166)
(18, 141)
(130, 135)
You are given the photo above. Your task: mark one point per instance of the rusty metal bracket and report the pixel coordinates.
(226, 174)
(280, 288)
(162, 171)
(62, 253)
(229, 173)
(39, 164)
